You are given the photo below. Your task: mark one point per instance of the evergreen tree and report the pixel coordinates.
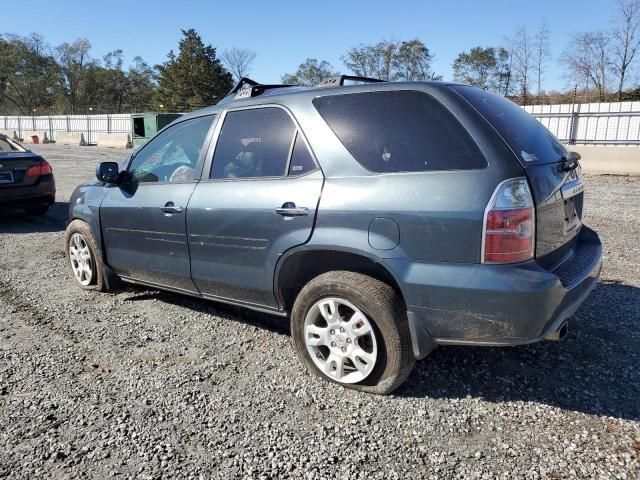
(194, 78)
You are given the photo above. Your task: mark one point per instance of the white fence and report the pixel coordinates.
(590, 123)
(89, 125)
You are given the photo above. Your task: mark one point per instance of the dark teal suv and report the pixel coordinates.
(382, 219)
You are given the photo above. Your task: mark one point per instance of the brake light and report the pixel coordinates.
(509, 224)
(43, 169)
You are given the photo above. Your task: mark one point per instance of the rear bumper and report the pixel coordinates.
(498, 304)
(42, 192)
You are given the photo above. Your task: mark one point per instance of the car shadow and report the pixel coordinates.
(17, 221)
(593, 370)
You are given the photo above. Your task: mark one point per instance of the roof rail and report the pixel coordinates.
(247, 88)
(339, 80)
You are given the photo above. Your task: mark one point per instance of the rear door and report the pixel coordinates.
(259, 200)
(555, 181)
(143, 219)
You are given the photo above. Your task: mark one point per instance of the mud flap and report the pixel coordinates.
(421, 340)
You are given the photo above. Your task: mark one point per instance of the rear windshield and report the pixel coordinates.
(7, 145)
(527, 137)
(400, 131)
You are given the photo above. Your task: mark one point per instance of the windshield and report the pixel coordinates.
(528, 138)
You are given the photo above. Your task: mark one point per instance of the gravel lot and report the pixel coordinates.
(145, 384)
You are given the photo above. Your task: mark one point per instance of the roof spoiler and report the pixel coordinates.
(247, 88)
(339, 80)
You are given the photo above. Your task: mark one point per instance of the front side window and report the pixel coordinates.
(254, 143)
(400, 131)
(173, 155)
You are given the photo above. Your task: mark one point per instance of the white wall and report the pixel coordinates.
(89, 125)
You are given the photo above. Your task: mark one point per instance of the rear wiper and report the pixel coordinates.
(570, 163)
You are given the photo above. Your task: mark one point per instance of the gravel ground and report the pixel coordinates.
(146, 384)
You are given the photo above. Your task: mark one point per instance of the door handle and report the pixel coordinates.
(169, 207)
(289, 209)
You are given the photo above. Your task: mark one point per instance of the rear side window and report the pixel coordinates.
(400, 131)
(254, 143)
(301, 160)
(527, 137)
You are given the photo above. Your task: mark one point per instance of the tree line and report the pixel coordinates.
(600, 65)
(36, 78)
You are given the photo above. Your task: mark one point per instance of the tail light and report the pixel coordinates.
(509, 224)
(43, 169)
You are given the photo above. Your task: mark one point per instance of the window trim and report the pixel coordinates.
(201, 157)
(404, 172)
(208, 164)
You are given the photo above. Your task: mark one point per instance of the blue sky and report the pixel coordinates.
(283, 33)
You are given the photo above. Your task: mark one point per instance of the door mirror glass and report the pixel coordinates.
(107, 172)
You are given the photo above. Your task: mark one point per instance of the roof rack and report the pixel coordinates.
(247, 88)
(339, 80)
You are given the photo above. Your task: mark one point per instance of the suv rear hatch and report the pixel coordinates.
(554, 176)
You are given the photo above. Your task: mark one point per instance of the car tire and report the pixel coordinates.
(79, 233)
(39, 209)
(353, 296)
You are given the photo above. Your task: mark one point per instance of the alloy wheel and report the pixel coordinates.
(81, 259)
(341, 340)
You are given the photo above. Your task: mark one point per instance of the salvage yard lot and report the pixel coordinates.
(146, 384)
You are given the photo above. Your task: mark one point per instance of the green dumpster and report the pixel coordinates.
(146, 125)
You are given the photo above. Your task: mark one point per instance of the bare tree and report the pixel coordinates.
(238, 61)
(520, 47)
(542, 52)
(625, 40)
(588, 61)
(504, 71)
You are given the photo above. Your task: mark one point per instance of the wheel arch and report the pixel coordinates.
(298, 268)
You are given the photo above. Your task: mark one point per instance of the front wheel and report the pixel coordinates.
(83, 256)
(352, 329)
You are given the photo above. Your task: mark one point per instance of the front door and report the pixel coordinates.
(143, 218)
(260, 200)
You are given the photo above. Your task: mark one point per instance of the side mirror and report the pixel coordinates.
(107, 172)
(574, 156)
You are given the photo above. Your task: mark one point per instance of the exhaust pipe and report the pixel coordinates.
(560, 333)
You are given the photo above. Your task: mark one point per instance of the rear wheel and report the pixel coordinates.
(83, 257)
(352, 330)
(39, 209)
